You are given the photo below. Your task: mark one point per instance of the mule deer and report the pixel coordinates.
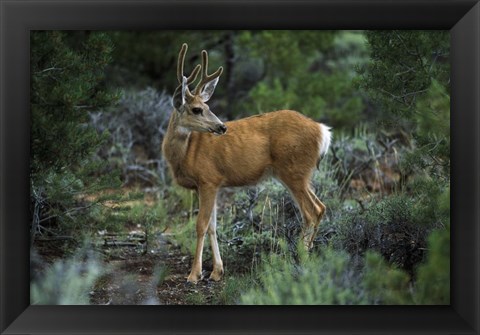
(284, 144)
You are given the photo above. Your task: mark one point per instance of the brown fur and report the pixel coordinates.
(284, 143)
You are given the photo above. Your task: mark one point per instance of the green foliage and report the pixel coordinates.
(67, 282)
(185, 233)
(300, 72)
(271, 97)
(408, 76)
(257, 222)
(233, 290)
(310, 71)
(389, 227)
(186, 199)
(181, 204)
(281, 50)
(332, 97)
(334, 277)
(434, 112)
(67, 82)
(432, 134)
(433, 283)
(386, 285)
(324, 279)
(195, 298)
(364, 162)
(432, 201)
(130, 211)
(394, 209)
(159, 275)
(317, 279)
(402, 66)
(147, 58)
(136, 125)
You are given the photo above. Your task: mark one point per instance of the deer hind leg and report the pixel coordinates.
(207, 196)
(217, 272)
(321, 208)
(311, 208)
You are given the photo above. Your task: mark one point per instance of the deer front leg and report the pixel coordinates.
(217, 272)
(207, 196)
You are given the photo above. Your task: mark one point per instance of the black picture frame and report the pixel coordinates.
(17, 18)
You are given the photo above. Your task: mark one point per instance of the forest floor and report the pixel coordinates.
(150, 266)
(137, 268)
(155, 277)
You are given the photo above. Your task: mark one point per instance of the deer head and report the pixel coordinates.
(192, 111)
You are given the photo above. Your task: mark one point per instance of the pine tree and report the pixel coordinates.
(408, 77)
(67, 81)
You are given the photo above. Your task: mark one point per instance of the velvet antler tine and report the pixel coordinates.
(194, 74)
(205, 63)
(180, 67)
(181, 61)
(199, 86)
(216, 74)
(206, 78)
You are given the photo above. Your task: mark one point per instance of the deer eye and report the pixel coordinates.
(197, 111)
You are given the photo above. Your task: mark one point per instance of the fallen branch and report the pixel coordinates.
(120, 244)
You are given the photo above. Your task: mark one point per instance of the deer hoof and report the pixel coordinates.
(194, 278)
(216, 275)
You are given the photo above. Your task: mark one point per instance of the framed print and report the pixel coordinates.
(115, 167)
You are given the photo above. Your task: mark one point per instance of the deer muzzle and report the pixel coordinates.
(219, 129)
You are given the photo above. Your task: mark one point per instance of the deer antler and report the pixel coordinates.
(181, 61)
(206, 78)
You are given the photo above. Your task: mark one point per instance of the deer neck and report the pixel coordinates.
(176, 139)
(175, 146)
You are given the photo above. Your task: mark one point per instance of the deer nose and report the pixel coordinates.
(221, 128)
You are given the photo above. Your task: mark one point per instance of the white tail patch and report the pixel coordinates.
(324, 140)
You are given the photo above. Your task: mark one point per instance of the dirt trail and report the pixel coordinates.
(155, 277)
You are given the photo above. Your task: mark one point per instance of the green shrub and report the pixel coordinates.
(325, 279)
(68, 71)
(136, 126)
(335, 277)
(67, 282)
(233, 290)
(432, 201)
(258, 219)
(433, 279)
(186, 236)
(387, 227)
(385, 284)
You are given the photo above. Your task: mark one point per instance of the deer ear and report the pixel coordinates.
(177, 99)
(184, 89)
(180, 94)
(208, 90)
